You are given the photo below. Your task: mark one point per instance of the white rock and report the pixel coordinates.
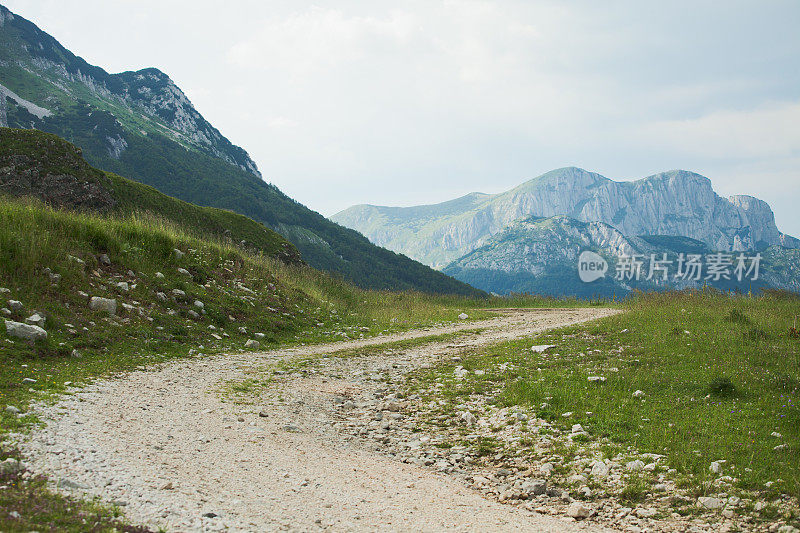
(539, 348)
(12, 410)
(107, 305)
(16, 306)
(27, 332)
(199, 304)
(709, 503)
(159, 275)
(463, 316)
(716, 466)
(468, 418)
(104, 259)
(634, 465)
(184, 272)
(460, 372)
(178, 253)
(123, 286)
(35, 319)
(252, 344)
(177, 293)
(638, 394)
(161, 297)
(577, 428)
(259, 335)
(578, 511)
(600, 469)
(546, 469)
(596, 378)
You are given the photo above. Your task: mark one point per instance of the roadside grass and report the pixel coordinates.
(720, 377)
(286, 305)
(27, 505)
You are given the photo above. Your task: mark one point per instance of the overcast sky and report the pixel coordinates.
(401, 103)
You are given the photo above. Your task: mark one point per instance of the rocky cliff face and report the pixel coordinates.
(677, 203)
(145, 101)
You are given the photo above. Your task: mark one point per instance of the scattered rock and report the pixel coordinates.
(159, 275)
(69, 484)
(11, 466)
(716, 467)
(709, 503)
(107, 305)
(76, 354)
(10, 409)
(35, 319)
(178, 253)
(16, 306)
(161, 297)
(578, 511)
(596, 379)
(6, 311)
(463, 316)
(539, 348)
(638, 394)
(634, 466)
(192, 313)
(184, 272)
(103, 259)
(252, 344)
(198, 304)
(468, 418)
(535, 487)
(600, 469)
(177, 293)
(122, 286)
(26, 332)
(259, 336)
(460, 372)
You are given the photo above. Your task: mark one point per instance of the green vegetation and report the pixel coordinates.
(719, 375)
(159, 154)
(50, 260)
(27, 505)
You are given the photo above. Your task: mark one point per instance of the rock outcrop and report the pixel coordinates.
(676, 203)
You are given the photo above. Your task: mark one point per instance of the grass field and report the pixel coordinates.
(719, 378)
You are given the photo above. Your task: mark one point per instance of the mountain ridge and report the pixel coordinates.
(677, 202)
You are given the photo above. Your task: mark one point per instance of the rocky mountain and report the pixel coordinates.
(140, 125)
(541, 256)
(675, 203)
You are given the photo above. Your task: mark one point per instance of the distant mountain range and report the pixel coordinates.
(528, 239)
(142, 126)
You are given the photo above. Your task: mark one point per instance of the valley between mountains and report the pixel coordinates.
(195, 445)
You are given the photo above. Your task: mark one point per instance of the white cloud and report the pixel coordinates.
(771, 130)
(346, 101)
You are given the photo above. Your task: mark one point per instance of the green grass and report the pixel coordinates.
(289, 304)
(720, 374)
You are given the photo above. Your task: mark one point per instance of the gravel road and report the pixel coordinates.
(176, 453)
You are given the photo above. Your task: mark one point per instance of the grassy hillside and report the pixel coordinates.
(126, 123)
(45, 166)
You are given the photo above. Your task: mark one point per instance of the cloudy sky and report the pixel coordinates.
(400, 103)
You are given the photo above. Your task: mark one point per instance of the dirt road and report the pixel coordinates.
(166, 444)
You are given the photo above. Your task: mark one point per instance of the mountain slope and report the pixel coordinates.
(44, 166)
(675, 203)
(540, 256)
(141, 126)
